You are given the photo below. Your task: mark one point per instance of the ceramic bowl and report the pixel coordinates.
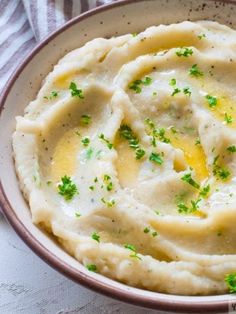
(115, 19)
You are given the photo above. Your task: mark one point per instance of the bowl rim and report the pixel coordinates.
(208, 306)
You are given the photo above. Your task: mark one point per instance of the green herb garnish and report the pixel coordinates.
(67, 188)
(127, 133)
(53, 94)
(188, 178)
(137, 83)
(95, 236)
(201, 36)
(85, 119)
(77, 214)
(212, 101)
(195, 71)
(205, 191)
(110, 203)
(187, 91)
(172, 82)
(102, 137)
(75, 92)
(155, 157)
(133, 249)
(184, 209)
(218, 171)
(231, 149)
(184, 52)
(85, 141)
(230, 280)
(228, 119)
(146, 230)
(176, 91)
(91, 267)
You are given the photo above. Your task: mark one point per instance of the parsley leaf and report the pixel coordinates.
(67, 188)
(231, 149)
(146, 230)
(172, 82)
(176, 91)
(110, 203)
(228, 119)
(85, 141)
(126, 132)
(188, 178)
(77, 214)
(53, 94)
(187, 91)
(184, 52)
(75, 91)
(133, 249)
(91, 267)
(136, 84)
(184, 209)
(212, 101)
(95, 236)
(155, 157)
(218, 171)
(230, 280)
(201, 36)
(85, 119)
(195, 71)
(102, 137)
(205, 191)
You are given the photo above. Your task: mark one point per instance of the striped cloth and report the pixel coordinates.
(23, 23)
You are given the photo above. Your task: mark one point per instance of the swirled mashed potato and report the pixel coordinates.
(127, 156)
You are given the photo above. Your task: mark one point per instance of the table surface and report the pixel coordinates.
(30, 286)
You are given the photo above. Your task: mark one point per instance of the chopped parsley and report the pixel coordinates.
(77, 214)
(85, 119)
(154, 234)
(230, 280)
(107, 181)
(156, 133)
(146, 230)
(89, 153)
(184, 209)
(53, 94)
(184, 52)
(205, 191)
(212, 101)
(195, 71)
(228, 119)
(201, 36)
(137, 83)
(197, 142)
(85, 141)
(172, 82)
(231, 149)
(154, 94)
(67, 188)
(218, 171)
(75, 92)
(133, 249)
(95, 236)
(102, 137)
(155, 157)
(188, 178)
(176, 91)
(126, 132)
(187, 91)
(110, 203)
(91, 267)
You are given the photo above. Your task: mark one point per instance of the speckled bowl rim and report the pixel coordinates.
(211, 305)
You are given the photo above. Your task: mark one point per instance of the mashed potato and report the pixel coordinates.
(127, 156)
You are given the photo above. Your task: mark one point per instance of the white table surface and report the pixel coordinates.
(29, 286)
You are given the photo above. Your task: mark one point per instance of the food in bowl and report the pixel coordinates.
(127, 156)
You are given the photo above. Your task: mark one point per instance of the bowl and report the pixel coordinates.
(111, 20)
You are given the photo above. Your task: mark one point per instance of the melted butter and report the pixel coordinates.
(194, 154)
(65, 155)
(224, 105)
(127, 166)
